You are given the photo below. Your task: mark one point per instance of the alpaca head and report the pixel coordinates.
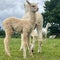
(49, 25)
(32, 6)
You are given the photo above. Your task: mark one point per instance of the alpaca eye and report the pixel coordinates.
(33, 6)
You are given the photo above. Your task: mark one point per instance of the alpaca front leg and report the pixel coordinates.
(40, 42)
(21, 47)
(24, 50)
(6, 45)
(25, 43)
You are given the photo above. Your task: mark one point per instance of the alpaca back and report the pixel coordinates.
(12, 24)
(16, 24)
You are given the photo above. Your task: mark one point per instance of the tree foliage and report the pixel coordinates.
(14, 35)
(52, 13)
(2, 33)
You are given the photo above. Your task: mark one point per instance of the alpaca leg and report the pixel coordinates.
(45, 37)
(24, 49)
(8, 32)
(30, 48)
(33, 44)
(39, 42)
(39, 30)
(25, 44)
(30, 40)
(21, 42)
(6, 44)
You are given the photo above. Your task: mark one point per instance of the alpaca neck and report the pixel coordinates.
(32, 18)
(46, 26)
(26, 10)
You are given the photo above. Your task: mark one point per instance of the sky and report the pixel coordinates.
(15, 8)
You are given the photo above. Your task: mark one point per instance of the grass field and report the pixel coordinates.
(50, 50)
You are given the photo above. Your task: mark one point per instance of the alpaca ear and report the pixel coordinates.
(28, 2)
(24, 5)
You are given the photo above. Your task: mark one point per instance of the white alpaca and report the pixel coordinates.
(52, 36)
(24, 26)
(45, 30)
(38, 26)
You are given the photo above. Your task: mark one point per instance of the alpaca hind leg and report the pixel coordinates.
(39, 31)
(8, 32)
(33, 44)
(6, 44)
(40, 42)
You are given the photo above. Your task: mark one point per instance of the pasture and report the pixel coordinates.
(50, 50)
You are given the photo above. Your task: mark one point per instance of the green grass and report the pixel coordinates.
(50, 50)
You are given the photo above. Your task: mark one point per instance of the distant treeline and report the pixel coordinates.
(54, 30)
(2, 34)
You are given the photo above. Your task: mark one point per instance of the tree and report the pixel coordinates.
(0, 27)
(2, 33)
(52, 13)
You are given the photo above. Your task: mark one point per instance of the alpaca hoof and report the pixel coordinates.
(39, 51)
(20, 49)
(8, 54)
(31, 55)
(25, 57)
(32, 50)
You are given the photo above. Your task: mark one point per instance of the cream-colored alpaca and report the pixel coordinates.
(38, 25)
(24, 26)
